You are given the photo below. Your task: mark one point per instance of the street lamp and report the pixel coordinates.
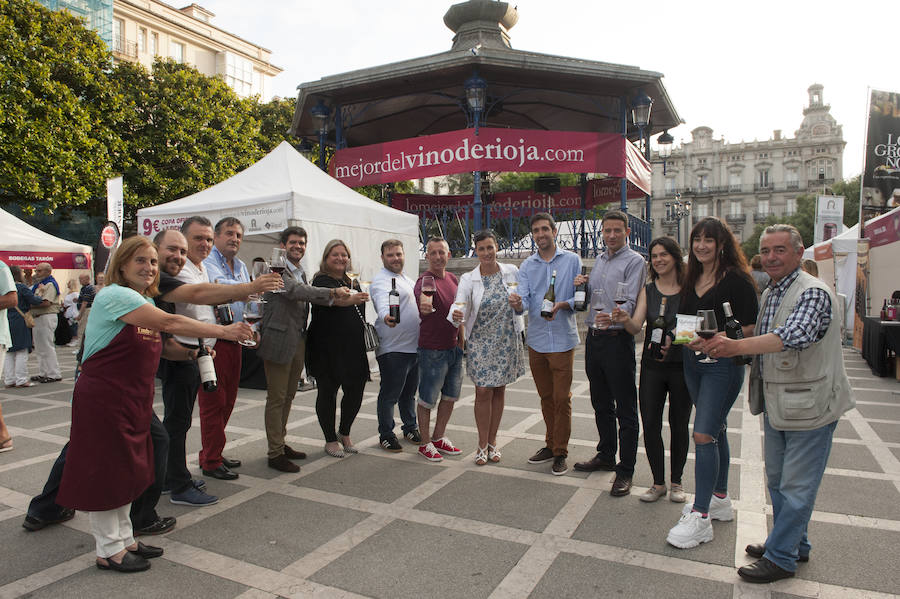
(640, 116)
(676, 211)
(320, 114)
(476, 92)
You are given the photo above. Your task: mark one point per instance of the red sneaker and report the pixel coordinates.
(430, 453)
(444, 445)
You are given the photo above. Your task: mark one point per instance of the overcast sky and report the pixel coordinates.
(742, 69)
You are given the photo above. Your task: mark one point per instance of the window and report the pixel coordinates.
(118, 33)
(821, 168)
(142, 39)
(792, 178)
(154, 44)
(176, 51)
(734, 181)
(238, 73)
(702, 182)
(762, 207)
(763, 178)
(701, 210)
(791, 206)
(735, 209)
(670, 185)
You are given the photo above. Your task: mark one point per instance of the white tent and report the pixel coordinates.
(282, 189)
(26, 246)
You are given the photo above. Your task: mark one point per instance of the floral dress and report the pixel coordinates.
(494, 355)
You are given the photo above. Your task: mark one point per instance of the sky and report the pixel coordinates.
(742, 69)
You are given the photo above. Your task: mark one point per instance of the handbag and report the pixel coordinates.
(27, 317)
(370, 335)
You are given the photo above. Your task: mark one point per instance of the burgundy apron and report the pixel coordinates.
(110, 458)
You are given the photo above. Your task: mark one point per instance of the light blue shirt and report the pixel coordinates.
(220, 272)
(111, 303)
(609, 270)
(403, 338)
(559, 334)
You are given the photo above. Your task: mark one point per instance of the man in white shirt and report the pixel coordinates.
(397, 352)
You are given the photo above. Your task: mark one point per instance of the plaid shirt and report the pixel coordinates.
(808, 322)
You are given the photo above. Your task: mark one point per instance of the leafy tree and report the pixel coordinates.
(58, 109)
(525, 181)
(274, 121)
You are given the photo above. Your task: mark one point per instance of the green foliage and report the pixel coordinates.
(274, 119)
(525, 181)
(58, 109)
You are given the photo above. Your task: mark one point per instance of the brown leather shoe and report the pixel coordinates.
(283, 464)
(621, 486)
(596, 463)
(293, 454)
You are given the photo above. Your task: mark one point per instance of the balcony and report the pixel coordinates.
(123, 48)
(813, 183)
(759, 217)
(792, 185)
(736, 219)
(763, 187)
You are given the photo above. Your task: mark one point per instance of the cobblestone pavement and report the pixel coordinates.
(395, 525)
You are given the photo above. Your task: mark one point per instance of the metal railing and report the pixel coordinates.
(124, 47)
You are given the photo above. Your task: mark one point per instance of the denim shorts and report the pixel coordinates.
(440, 374)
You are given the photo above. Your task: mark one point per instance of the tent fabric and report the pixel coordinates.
(24, 245)
(285, 188)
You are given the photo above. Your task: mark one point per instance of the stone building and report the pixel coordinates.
(141, 30)
(746, 182)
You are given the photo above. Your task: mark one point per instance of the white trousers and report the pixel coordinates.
(44, 345)
(15, 369)
(112, 530)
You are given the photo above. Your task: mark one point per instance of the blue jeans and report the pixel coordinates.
(795, 463)
(714, 389)
(399, 380)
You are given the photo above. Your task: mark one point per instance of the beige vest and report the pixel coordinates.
(805, 389)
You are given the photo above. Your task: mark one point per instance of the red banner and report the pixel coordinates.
(55, 259)
(883, 229)
(522, 203)
(506, 150)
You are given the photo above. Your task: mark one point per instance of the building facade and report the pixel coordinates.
(744, 183)
(141, 30)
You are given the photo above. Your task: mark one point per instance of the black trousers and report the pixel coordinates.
(181, 381)
(610, 367)
(326, 404)
(658, 381)
(143, 509)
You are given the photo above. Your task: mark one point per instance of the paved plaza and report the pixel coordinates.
(394, 525)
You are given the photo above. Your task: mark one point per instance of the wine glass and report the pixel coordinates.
(352, 274)
(365, 279)
(253, 312)
(707, 328)
(621, 293)
(428, 290)
(257, 269)
(598, 303)
(512, 286)
(461, 306)
(278, 264)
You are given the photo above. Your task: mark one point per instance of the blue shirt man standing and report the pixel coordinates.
(551, 341)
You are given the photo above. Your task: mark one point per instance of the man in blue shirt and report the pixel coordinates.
(551, 341)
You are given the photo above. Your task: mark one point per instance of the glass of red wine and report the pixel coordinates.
(428, 288)
(707, 328)
(253, 312)
(278, 264)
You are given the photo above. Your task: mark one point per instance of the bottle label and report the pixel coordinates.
(579, 296)
(546, 306)
(207, 368)
(656, 336)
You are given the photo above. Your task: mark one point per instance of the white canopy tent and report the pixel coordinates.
(283, 189)
(26, 246)
(836, 259)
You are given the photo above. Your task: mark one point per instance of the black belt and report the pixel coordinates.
(607, 332)
(188, 345)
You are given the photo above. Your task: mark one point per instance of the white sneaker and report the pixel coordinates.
(719, 509)
(691, 530)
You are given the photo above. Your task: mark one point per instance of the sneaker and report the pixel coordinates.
(413, 436)
(444, 445)
(652, 494)
(559, 466)
(676, 494)
(430, 453)
(392, 445)
(160, 527)
(544, 454)
(691, 530)
(719, 509)
(306, 386)
(198, 483)
(194, 497)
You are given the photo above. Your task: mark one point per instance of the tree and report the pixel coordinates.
(525, 181)
(58, 109)
(185, 131)
(274, 122)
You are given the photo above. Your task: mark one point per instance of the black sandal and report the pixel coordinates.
(131, 562)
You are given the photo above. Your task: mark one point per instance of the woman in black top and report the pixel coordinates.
(336, 352)
(660, 378)
(716, 273)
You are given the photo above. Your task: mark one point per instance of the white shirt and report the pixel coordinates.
(404, 337)
(193, 274)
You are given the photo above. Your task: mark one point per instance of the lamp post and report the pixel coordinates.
(320, 114)
(476, 92)
(676, 211)
(640, 116)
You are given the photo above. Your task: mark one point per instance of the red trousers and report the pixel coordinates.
(215, 407)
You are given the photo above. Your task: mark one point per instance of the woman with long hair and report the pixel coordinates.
(336, 351)
(494, 349)
(716, 273)
(662, 377)
(110, 457)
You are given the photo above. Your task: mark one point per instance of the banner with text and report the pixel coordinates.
(57, 260)
(881, 173)
(507, 150)
(829, 217)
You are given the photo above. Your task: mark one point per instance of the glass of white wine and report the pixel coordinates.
(512, 287)
(461, 306)
(352, 274)
(365, 279)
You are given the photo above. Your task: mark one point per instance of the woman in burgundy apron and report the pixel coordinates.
(110, 458)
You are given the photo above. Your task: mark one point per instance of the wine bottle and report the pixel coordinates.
(581, 293)
(207, 368)
(394, 302)
(549, 298)
(733, 330)
(884, 310)
(658, 331)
